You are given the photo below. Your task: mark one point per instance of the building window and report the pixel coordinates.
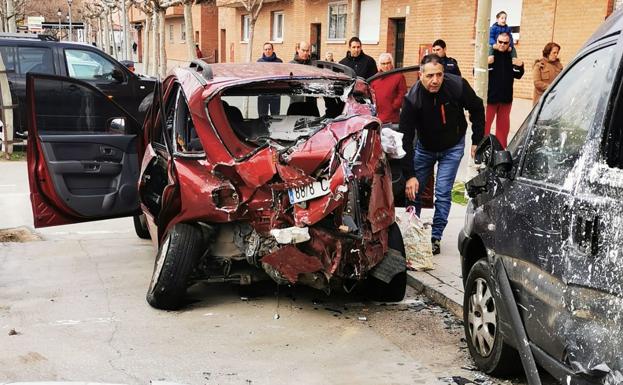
(337, 21)
(246, 20)
(370, 21)
(277, 27)
(183, 32)
(171, 33)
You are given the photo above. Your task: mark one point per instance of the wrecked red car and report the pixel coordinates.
(274, 166)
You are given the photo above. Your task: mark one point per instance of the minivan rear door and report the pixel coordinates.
(83, 153)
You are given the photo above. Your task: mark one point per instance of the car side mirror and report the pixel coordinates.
(117, 125)
(117, 74)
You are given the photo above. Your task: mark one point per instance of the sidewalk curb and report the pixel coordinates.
(419, 284)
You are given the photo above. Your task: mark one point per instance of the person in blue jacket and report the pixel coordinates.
(497, 28)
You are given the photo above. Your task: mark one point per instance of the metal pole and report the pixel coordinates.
(482, 49)
(60, 35)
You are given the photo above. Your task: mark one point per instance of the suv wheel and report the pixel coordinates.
(175, 260)
(394, 291)
(140, 227)
(481, 322)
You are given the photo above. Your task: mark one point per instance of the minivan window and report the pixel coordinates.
(35, 59)
(8, 57)
(88, 65)
(568, 112)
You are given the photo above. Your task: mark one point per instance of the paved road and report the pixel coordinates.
(72, 307)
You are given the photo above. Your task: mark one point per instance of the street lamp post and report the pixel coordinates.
(70, 36)
(59, 13)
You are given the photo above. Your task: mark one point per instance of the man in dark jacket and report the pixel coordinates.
(362, 64)
(433, 109)
(502, 75)
(450, 65)
(303, 54)
(266, 102)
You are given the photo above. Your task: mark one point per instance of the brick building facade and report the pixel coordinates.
(205, 25)
(384, 25)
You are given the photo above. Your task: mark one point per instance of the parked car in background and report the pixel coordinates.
(23, 53)
(300, 196)
(542, 245)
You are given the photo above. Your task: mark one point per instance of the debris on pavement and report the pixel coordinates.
(13, 332)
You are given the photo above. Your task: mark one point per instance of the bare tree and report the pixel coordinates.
(253, 7)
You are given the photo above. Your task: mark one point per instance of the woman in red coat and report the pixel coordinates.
(389, 91)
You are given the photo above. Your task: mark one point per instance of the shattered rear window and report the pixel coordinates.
(283, 112)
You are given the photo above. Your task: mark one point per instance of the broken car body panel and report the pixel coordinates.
(211, 160)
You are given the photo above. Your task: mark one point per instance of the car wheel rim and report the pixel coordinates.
(160, 258)
(482, 318)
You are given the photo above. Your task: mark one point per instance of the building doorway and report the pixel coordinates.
(315, 39)
(396, 40)
(222, 56)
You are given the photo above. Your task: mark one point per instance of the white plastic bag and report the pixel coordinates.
(391, 141)
(417, 239)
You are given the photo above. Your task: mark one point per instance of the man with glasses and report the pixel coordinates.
(450, 65)
(502, 74)
(433, 111)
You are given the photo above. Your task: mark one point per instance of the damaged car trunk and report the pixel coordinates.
(310, 199)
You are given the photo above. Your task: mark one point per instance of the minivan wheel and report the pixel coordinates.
(481, 317)
(174, 263)
(140, 226)
(394, 291)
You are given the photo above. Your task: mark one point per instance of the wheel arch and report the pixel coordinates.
(474, 251)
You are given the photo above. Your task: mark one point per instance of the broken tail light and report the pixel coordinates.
(226, 198)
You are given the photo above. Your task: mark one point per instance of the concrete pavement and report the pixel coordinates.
(444, 284)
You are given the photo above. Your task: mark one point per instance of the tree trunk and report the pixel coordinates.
(6, 114)
(162, 57)
(106, 33)
(112, 29)
(127, 36)
(190, 34)
(249, 57)
(153, 70)
(147, 43)
(10, 16)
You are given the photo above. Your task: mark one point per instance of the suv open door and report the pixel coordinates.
(83, 153)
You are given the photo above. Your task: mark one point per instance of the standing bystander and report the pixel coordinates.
(502, 75)
(545, 70)
(389, 91)
(362, 64)
(303, 54)
(450, 65)
(268, 104)
(433, 108)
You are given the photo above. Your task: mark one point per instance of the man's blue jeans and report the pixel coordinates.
(448, 162)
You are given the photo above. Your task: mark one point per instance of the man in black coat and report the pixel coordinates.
(266, 103)
(433, 109)
(502, 75)
(450, 65)
(362, 64)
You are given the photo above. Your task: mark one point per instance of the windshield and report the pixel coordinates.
(283, 112)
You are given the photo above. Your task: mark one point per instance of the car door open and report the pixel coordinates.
(83, 153)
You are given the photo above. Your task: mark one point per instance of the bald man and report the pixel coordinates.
(303, 53)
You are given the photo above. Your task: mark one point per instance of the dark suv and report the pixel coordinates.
(541, 249)
(23, 53)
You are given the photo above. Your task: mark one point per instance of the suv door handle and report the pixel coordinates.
(586, 231)
(91, 166)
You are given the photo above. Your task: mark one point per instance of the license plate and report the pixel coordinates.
(310, 191)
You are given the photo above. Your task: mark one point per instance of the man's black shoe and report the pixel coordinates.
(436, 245)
